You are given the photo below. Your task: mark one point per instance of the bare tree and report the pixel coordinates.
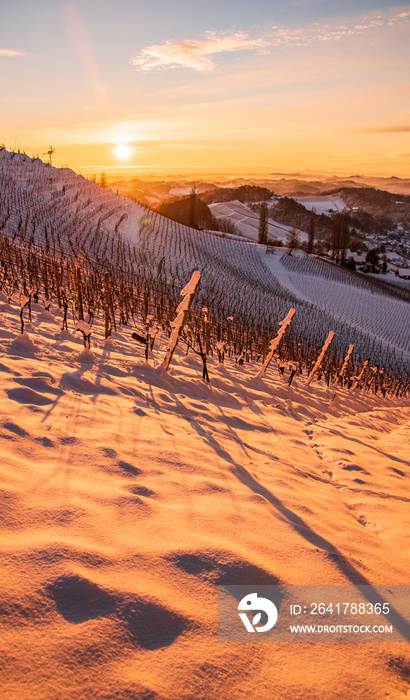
(263, 224)
(340, 237)
(292, 240)
(49, 153)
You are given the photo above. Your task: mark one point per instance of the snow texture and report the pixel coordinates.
(127, 495)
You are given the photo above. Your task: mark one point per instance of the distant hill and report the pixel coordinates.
(244, 193)
(389, 208)
(189, 211)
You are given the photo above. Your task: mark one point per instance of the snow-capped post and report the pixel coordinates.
(380, 382)
(293, 368)
(25, 301)
(344, 365)
(107, 305)
(85, 329)
(373, 372)
(274, 344)
(220, 346)
(321, 356)
(205, 330)
(360, 376)
(182, 312)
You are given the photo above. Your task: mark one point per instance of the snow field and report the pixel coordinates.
(61, 210)
(348, 298)
(324, 204)
(247, 221)
(128, 495)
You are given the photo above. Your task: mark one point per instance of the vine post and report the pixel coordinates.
(274, 344)
(182, 313)
(319, 360)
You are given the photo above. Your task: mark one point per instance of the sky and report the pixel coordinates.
(190, 86)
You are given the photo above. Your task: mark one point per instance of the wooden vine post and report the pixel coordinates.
(25, 301)
(85, 329)
(360, 376)
(79, 295)
(274, 344)
(344, 366)
(107, 305)
(57, 276)
(182, 313)
(205, 330)
(321, 356)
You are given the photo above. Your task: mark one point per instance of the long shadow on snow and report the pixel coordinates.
(365, 444)
(302, 528)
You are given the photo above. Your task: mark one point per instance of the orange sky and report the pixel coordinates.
(317, 90)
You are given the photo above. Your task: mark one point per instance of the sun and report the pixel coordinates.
(122, 151)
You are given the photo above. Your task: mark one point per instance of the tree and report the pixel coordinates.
(192, 208)
(263, 224)
(292, 240)
(340, 237)
(49, 153)
(226, 225)
(311, 231)
(372, 257)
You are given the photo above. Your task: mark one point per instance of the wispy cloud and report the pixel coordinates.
(191, 53)
(302, 36)
(196, 54)
(10, 53)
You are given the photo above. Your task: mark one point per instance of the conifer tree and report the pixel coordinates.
(311, 231)
(263, 224)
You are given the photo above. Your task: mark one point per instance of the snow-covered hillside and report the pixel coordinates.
(355, 300)
(128, 495)
(247, 221)
(323, 204)
(64, 212)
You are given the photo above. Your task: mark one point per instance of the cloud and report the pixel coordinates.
(9, 53)
(324, 32)
(196, 54)
(191, 53)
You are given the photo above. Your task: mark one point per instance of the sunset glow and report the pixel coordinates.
(122, 151)
(275, 88)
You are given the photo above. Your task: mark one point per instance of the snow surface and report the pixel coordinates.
(128, 494)
(384, 317)
(247, 221)
(323, 204)
(55, 207)
(93, 204)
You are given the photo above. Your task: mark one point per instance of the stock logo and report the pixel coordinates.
(252, 602)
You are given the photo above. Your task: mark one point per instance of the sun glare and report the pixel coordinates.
(122, 151)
